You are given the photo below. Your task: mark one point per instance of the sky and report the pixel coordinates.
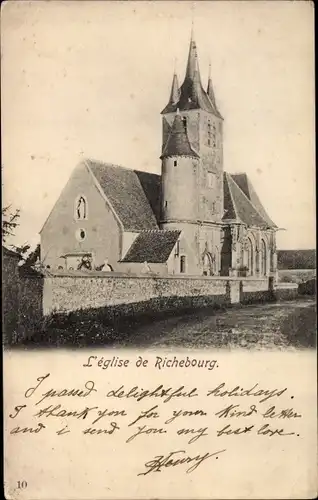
(89, 80)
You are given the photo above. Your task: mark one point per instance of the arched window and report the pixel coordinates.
(182, 264)
(263, 259)
(81, 208)
(250, 257)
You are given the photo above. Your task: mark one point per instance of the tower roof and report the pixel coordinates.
(210, 92)
(178, 143)
(192, 94)
(175, 91)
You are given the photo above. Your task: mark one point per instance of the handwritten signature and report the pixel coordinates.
(171, 460)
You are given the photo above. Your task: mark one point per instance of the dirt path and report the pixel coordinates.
(284, 325)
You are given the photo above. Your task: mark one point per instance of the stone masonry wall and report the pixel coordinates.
(66, 293)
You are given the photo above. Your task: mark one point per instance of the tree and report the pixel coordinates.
(9, 221)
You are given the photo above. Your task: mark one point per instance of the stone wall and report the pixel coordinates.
(30, 310)
(121, 296)
(71, 292)
(286, 291)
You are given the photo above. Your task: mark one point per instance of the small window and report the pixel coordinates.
(214, 135)
(177, 249)
(209, 133)
(175, 163)
(166, 204)
(211, 179)
(80, 234)
(182, 264)
(184, 121)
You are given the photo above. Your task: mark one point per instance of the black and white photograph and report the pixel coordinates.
(158, 200)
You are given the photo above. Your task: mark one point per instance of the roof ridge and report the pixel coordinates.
(107, 164)
(250, 200)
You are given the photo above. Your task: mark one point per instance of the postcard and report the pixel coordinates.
(158, 245)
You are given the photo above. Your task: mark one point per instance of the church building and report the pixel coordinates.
(193, 219)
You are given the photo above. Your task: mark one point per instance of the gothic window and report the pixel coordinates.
(263, 259)
(81, 208)
(182, 264)
(248, 256)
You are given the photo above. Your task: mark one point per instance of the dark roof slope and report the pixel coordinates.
(296, 259)
(128, 193)
(152, 246)
(246, 186)
(151, 184)
(244, 210)
(178, 143)
(9, 253)
(229, 208)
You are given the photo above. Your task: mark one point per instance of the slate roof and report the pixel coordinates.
(178, 143)
(152, 246)
(245, 185)
(133, 195)
(237, 206)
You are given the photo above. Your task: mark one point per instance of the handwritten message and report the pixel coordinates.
(96, 407)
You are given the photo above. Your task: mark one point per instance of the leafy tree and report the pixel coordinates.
(10, 221)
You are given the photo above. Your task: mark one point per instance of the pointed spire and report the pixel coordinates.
(196, 85)
(192, 57)
(175, 92)
(192, 30)
(191, 94)
(210, 90)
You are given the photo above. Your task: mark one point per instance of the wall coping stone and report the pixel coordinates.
(100, 274)
(284, 286)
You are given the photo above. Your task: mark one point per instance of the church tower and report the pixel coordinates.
(192, 167)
